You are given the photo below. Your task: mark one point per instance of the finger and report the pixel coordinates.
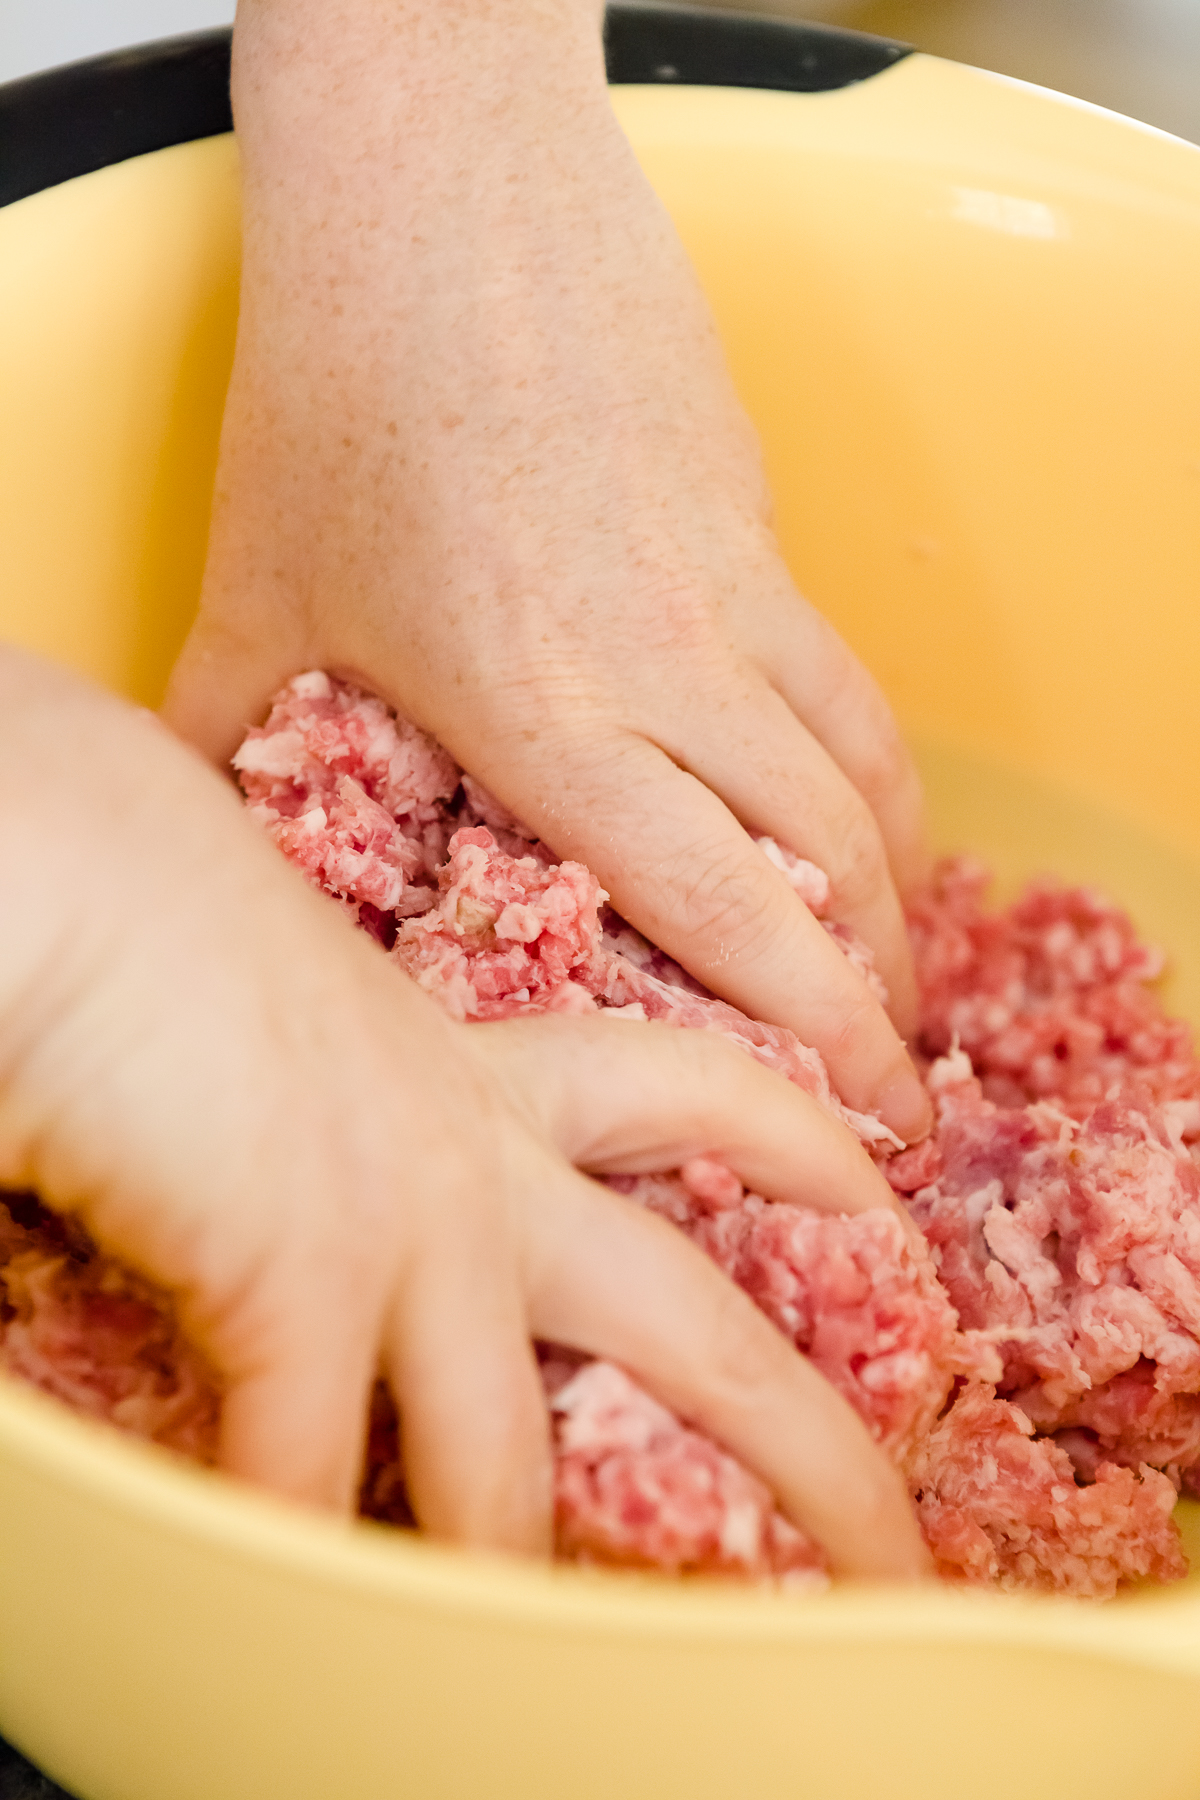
(619, 1282)
(679, 866)
(842, 705)
(774, 776)
(475, 1437)
(622, 1098)
(294, 1416)
(224, 682)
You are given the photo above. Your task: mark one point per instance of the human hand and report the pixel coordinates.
(483, 457)
(242, 1099)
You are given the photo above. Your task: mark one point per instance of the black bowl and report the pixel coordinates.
(86, 115)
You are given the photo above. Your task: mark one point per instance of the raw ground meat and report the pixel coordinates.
(352, 795)
(1035, 1370)
(999, 1505)
(637, 1488)
(1049, 999)
(78, 1326)
(1074, 1247)
(857, 1295)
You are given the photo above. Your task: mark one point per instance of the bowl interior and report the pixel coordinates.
(962, 315)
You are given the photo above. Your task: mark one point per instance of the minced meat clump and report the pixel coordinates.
(1033, 1368)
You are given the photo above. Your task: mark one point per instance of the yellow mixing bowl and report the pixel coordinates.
(966, 316)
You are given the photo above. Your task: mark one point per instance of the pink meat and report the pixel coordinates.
(1050, 999)
(80, 1327)
(859, 1296)
(635, 1487)
(1075, 1248)
(507, 934)
(1001, 1506)
(321, 730)
(1034, 1373)
(354, 796)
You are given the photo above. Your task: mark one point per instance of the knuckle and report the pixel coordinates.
(714, 1080)
(855, 1030)
(862, 869)
(679, 617)
(723, 901)
(885, 770)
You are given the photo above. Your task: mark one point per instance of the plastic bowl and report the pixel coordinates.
(963, 313)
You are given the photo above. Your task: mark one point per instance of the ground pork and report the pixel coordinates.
(352, 795)
(1074, 1247)
(859, 1296)
(1001, 1506)
(80, 1327)
(1049, 998)
(1035, 1370)
(636, 1488)
(506, 934)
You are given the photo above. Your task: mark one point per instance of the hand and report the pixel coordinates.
(482, 455)
(241, 1098)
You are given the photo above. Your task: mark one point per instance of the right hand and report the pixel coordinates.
(483, 456)
(240, 1097)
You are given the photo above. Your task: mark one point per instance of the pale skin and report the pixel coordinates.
(482, 455)
(242, 1098)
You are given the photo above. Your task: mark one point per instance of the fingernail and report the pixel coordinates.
(903, 1104)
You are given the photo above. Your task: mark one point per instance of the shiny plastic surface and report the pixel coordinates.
(963, 314)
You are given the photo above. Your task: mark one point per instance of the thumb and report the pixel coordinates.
(224, 682)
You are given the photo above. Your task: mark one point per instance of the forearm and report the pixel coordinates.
(431, 131)
(405, 78)
(455, 272)
(446, 184)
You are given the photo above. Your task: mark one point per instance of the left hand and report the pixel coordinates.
(243, 1099)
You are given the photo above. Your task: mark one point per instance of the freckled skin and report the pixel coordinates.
(545, 533)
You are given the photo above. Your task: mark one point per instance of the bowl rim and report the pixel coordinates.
(114, 97)
(83, 116)
(168, 1496)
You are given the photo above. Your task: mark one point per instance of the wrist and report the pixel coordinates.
(91, 790)
(44, 905)
(338, 89)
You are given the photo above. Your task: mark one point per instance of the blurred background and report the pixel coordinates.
(37, 34)
(1140, 57)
